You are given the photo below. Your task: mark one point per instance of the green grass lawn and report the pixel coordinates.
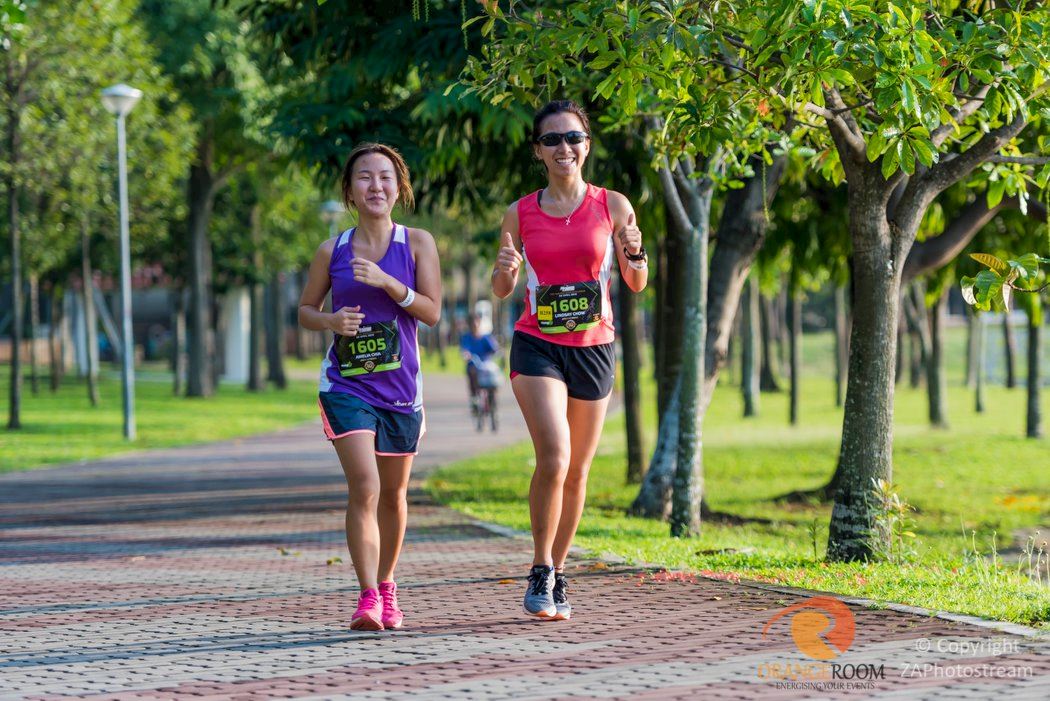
(973, 486)
(63, 426)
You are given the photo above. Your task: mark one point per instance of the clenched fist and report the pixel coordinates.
(346, 321)
(369, 273)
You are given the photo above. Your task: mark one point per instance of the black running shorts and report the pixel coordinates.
(586, 371)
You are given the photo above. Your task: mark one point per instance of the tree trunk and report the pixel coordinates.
(632, 398)
(866, 451)
(200, 381)
(300, 332)
(783, 332)
(749, 356)
(915, 361)
(740, 235)
(178, 338)
(978, 397)
(469, 286)
(770, 368)
(654, 497)
(936, 383)
(14, 405)
(689, 471)
(898, 368)
(913, 306)
(275, 334)
(795, 343)
(256, 319)
(54, 352)
(440, 333)
(1010, 352)
(669, 329)
(841, 345)
(971, 347)
(1033, 417)
(741, 232)
(90, 322)
(34, 331)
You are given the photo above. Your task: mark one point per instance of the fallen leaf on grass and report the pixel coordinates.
(333, 561)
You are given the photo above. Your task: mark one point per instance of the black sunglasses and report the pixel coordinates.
(553, 138)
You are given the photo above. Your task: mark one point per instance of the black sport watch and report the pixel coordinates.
(641, 255)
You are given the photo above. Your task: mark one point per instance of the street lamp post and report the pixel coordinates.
(119, 100)
(331, 212)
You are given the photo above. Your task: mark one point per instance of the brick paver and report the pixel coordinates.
(204, 573)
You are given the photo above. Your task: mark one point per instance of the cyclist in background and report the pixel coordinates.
(477, 348)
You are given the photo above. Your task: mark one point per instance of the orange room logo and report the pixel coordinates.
(822, 627)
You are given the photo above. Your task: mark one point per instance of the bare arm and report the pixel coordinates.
(628, 236)
(427, 306)
(508, 260)
(345, 321)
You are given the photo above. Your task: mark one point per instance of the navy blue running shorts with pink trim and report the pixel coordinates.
(395, 433)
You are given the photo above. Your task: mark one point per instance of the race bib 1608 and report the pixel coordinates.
(574, 306)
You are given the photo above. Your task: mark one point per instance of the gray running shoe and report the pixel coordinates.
(561, 602)
(539, 599)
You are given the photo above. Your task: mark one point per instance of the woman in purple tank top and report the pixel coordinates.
(384, 278)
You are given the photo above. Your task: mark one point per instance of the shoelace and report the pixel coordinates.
(390, 601)
(367, 600)
(537, 582)
(560, 587)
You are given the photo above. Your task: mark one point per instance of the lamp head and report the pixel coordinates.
(120, 99)
(332, 210)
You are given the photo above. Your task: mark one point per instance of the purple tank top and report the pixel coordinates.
(380, 365)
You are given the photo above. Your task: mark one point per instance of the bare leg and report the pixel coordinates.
(543, 403)
(393, 510)
(586, 419)
(357, 455)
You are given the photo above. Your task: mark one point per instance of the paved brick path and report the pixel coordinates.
(201, 573)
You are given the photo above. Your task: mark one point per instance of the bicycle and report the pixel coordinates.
(486, 377)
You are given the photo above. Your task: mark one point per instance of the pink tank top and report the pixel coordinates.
(568, 267)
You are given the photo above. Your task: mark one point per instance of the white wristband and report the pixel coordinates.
(637, 265)
(409, 298)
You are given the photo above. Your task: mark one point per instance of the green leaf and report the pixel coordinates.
(996, 188)
(889, 163)
(966, 284)
(923, 152)
(603, 60)
(876, 145)
(994, 262)
(987, 284)
(817, 92)
(907, 157)
(1029, 262)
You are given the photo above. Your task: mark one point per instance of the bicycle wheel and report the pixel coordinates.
(482, 405)
(490, 400)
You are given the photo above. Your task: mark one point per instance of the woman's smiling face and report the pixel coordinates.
(374, 184)
(565, 159)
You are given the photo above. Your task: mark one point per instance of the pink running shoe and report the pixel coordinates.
(392, 615)
(369, 613)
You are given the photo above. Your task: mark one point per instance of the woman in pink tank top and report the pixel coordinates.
(568, 237)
